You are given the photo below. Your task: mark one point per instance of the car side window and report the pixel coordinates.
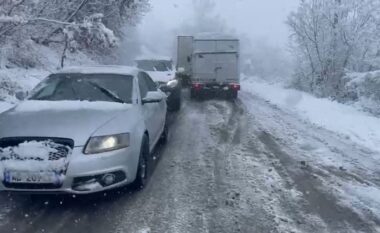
(152, 86)
(142, 85)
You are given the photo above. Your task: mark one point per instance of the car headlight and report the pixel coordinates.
(172, 83)
(102, 144)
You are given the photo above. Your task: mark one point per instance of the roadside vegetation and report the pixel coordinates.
(66, 26)
(337, 50)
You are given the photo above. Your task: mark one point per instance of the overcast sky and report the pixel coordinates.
(262, 20)
(255, 18)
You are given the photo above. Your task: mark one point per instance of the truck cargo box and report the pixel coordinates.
(184, 53)
(209, 63)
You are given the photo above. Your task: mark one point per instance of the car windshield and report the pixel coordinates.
(155, 65)
(89, 87)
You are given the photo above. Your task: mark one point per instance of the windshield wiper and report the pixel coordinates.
(107, 92)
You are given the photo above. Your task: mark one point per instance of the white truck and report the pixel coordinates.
(209, 64)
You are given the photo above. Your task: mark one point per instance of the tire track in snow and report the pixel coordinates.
(319, 200)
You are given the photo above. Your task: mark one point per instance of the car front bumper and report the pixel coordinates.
(85, 173)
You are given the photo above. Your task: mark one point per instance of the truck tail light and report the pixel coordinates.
(235, 86)
(197, 86)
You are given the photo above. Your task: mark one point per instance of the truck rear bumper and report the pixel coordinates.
(229, 90)
(211, 87)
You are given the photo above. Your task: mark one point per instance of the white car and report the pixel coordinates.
(83, 130)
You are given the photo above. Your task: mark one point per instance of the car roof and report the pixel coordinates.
(153, 58)
(101, 69)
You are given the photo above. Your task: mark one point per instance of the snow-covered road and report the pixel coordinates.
(247, 166)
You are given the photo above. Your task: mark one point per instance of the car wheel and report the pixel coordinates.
(193, 94)
(165, 134)
(175, 100)
(143, 165)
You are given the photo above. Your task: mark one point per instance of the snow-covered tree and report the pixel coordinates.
(88, 25)
(330, 37)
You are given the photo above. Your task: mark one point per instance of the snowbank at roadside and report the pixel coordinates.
(363, 90)
(309, 127)
(4, 106)
(38, 62)
(345, 120)
(46, 60)
(17, 79)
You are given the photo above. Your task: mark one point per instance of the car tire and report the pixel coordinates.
(193, 94)
(165, 135)
(143, 165)
(175, 100)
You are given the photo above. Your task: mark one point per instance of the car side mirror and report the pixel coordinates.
(165, 88)
(153, 97)
(21, 95)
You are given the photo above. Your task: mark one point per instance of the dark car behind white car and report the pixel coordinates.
(162, 72)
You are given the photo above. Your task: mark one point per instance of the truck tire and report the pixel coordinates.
(233, 95)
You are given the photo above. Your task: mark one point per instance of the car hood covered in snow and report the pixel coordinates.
(76, 120)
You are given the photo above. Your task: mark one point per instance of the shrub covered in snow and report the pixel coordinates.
(364, 90)
(331, 37)
(36, 36)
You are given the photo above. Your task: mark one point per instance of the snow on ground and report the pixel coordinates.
(16, 79)
(45, 60)
(363, 195)
(13, 80)
(4, 106)
(4, 211)
(336, 141)
(364, 88)
(345, 120)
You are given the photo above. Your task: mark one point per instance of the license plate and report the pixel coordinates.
(30, 177)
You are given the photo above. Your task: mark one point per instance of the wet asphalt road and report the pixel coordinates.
(221, 171)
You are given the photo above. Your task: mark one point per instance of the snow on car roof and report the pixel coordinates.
(214, 36)
(153, 58)
(101, 69)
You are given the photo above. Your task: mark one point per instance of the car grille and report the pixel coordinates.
(61, 152)
(61, 145)
(62, 148)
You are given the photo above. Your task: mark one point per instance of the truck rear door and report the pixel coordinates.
(204, 67)
(216, 67)
(184, 53)
(226, 67)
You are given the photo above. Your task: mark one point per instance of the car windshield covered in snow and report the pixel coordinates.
(85, 87)
(155, 65)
